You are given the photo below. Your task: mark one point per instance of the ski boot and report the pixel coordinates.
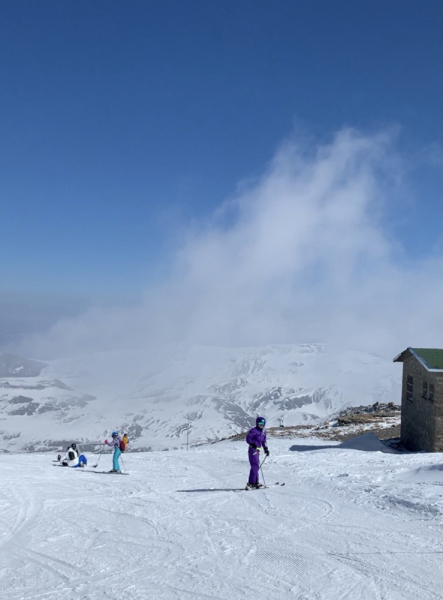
(253, 486)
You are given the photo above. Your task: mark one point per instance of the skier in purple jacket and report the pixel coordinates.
(256, 439)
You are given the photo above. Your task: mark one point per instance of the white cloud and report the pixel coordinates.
(305, 259)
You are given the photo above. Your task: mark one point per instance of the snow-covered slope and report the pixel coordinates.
(211, 391)
(348, 525)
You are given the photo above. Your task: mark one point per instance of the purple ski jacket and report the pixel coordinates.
(115, 442)
(257, 437)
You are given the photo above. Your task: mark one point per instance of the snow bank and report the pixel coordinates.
(426, 474)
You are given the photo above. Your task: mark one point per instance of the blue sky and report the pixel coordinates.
(125, 125)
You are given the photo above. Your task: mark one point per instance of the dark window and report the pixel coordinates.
(424, 393)
(409, 388)
(431, 392)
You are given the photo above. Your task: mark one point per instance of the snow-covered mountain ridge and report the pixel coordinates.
(206, 392)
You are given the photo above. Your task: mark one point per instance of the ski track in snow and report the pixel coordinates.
(348, 525)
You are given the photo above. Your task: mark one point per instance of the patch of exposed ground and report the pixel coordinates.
(381, 419)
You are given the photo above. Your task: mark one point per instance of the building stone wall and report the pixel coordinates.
(421, 418)
(438, 413)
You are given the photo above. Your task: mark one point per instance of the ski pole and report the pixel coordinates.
(263, 477)
(96, 465)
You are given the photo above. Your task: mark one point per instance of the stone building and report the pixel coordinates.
(422, 399)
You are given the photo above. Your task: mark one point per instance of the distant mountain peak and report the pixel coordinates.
(205, 391)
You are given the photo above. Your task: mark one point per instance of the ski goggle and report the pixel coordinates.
(262, 422)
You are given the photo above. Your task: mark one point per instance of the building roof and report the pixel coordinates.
(430, 358)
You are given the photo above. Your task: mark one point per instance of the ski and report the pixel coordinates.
(102, 472)
(86, 470)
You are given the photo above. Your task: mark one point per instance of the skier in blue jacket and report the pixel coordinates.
(115, 443)
(256, 439)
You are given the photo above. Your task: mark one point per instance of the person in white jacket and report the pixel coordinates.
(73, 458)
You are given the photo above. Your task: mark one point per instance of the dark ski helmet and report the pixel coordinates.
(74, 446)
(260, 421)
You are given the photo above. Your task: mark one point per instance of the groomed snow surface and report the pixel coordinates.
(350, 524)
